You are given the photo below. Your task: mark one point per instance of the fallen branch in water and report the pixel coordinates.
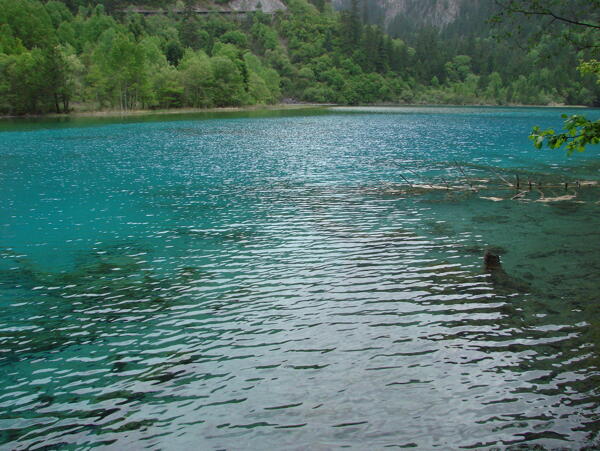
(550, 193)
(564, 198)
(502, 178)
(406, 180)
(463, 174)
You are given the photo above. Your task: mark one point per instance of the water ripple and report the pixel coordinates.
(241, 284)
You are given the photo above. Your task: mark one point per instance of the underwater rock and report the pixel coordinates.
(491, 262)
(500, 278)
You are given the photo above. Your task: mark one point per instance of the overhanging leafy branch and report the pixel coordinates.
(579, 132)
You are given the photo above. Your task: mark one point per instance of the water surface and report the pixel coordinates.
(293, 281)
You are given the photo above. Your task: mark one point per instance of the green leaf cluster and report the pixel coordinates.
(579, 132)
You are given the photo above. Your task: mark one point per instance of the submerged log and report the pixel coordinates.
(486, 189)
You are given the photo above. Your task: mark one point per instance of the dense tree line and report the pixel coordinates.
(573, 26)
(96, 54)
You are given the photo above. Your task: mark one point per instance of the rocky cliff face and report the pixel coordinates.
(438, 13)
(206, 7)
(267, 6)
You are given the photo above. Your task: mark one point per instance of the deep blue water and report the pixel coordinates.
(298, 280)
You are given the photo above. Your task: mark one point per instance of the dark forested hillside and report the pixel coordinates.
(60, 55)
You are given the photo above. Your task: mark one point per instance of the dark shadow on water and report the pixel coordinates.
(105, 287)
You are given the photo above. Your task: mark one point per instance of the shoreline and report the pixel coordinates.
(133, 113)
(275, 107)
(473, 105)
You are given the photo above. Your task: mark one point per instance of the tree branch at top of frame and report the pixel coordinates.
(539, 8)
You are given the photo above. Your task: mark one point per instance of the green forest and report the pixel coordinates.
(60, 56)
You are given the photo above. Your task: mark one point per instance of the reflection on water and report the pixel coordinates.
(249, 283)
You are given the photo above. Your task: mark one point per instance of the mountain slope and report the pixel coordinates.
(402, 17)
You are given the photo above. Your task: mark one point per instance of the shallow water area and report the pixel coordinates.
(300, 279)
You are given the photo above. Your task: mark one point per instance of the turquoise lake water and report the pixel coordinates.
(298, 280)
